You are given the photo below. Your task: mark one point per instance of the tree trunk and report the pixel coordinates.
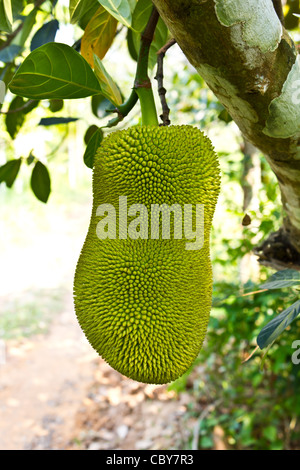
(249, 61)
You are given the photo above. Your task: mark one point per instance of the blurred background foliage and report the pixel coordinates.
(253, 403)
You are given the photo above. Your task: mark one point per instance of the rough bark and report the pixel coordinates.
(249, 61)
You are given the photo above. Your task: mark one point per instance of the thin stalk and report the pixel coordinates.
(124, 109)
(279, 10)
(142, 89)
(20, 109)
(160, 80)
(148, 109)
(142, 83)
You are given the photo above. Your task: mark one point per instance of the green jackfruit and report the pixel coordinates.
(142, 295)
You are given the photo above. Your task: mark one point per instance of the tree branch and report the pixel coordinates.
(20, 109)
(279, 10)
(142, 83)
(160, 79)
(254, 71)
(11, 36)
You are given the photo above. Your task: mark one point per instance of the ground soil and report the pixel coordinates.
(56, 393)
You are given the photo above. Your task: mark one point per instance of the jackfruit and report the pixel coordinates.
(143, 296)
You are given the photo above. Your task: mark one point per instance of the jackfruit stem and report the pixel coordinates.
(142, 89)
(142, 83)
(148, 109)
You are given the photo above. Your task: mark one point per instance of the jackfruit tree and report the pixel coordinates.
(246, 52)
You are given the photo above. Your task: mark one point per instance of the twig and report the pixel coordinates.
(142, 79)
(142, 82)
(160, 78)
(202, 416)
(250, 355)
(58, 146)
(21, 108)
(12, 35)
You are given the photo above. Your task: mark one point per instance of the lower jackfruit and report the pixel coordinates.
(143, 282)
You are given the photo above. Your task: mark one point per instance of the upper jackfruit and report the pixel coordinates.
(144, 304)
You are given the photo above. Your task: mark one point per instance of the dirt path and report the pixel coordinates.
(56, 393)
(41, 382)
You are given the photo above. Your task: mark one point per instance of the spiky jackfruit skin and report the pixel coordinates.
(144, 304)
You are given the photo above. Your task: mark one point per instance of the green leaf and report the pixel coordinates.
(30, 159)
(92, 147)
(9, 171)
(2, 92)
(5, 77)
(206, 442)
(270, 433)
(6, 17)
(225, 116)
(56, 105)
(30, 105)
(263, 359)
(57, 71)
(131, 46)
(81, 11)
(45, 34)
(9, 53)
(89, 133)
(76, 9)
(40, 182)
(159, 40)
(17, 8)
(107, 85)
(100, 105)
(52, 121)
(98, 36)
(89, 11)
(28, 24)
(284, 278)
(275, 327)
(14, 121)
(141, 14)
(120, 9)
